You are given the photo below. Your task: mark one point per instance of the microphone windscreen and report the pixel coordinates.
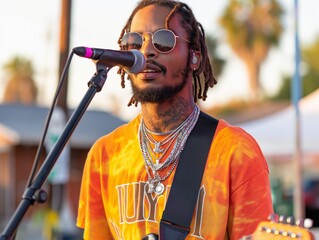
(139, 63)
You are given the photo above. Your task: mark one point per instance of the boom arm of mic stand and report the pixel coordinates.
(95, 85)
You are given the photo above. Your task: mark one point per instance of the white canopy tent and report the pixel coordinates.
(276, 133)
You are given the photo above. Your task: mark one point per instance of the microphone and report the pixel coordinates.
(133, 61)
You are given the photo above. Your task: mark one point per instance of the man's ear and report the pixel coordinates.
(195, 59)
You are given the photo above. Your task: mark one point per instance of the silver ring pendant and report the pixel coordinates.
(159, 188)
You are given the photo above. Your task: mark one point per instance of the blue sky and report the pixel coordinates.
(31, 29)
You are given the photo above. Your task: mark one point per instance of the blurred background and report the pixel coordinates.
(264, 54)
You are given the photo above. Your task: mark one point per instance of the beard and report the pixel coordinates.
(158, 94)
(161, 94)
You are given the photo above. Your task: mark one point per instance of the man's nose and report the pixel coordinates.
(147, 45)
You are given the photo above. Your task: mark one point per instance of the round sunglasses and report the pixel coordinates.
(163, 40)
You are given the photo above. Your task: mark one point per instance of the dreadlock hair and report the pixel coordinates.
(197, 43)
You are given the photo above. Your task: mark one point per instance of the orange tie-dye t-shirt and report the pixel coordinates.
(114, 202)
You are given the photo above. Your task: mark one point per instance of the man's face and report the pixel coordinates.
(166, 74)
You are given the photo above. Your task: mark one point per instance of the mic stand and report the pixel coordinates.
(33, 192)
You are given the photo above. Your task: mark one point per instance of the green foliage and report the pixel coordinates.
(217, 62)
(310, 79)
(20, 86)
(310, 56)
(310, 82)
(19, 66)
(284, 91)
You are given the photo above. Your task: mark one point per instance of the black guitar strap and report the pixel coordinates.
(177, 216)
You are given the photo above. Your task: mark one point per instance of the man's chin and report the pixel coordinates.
(157, 94)
(151, 96)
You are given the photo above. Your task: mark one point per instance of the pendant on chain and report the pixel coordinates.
(158, 148)
(155, 186)
(156, 166)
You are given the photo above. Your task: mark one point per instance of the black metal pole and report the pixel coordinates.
(29, 196)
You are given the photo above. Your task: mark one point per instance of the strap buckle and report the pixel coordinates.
(171, 231)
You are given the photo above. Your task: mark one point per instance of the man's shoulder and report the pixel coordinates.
(125, 130)
(234, 133)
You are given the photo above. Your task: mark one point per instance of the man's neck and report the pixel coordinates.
(163, 117)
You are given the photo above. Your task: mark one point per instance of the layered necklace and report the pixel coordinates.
(154, 151)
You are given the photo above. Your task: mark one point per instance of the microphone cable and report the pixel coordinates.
(46, 126)
(48, 119)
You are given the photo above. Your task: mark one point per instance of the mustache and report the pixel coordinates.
(162, 67)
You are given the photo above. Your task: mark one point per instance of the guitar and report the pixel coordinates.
(280, 230)
(277, 228)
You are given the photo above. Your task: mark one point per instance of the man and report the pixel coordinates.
(129, 173)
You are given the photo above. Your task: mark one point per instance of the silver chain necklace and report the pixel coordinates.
(166, 142)
(178, 136)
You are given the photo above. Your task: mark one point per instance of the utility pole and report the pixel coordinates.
(59, 175)
(65, 27)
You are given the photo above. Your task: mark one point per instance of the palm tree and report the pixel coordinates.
(252, 27)
(21, 86)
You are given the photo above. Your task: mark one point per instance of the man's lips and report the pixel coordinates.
(148, 74)
(151, 70)
(150, 67)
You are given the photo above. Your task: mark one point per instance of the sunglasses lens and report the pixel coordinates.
(132, 41)
(164, 40)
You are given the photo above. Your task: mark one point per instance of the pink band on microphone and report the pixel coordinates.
(88, 52)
